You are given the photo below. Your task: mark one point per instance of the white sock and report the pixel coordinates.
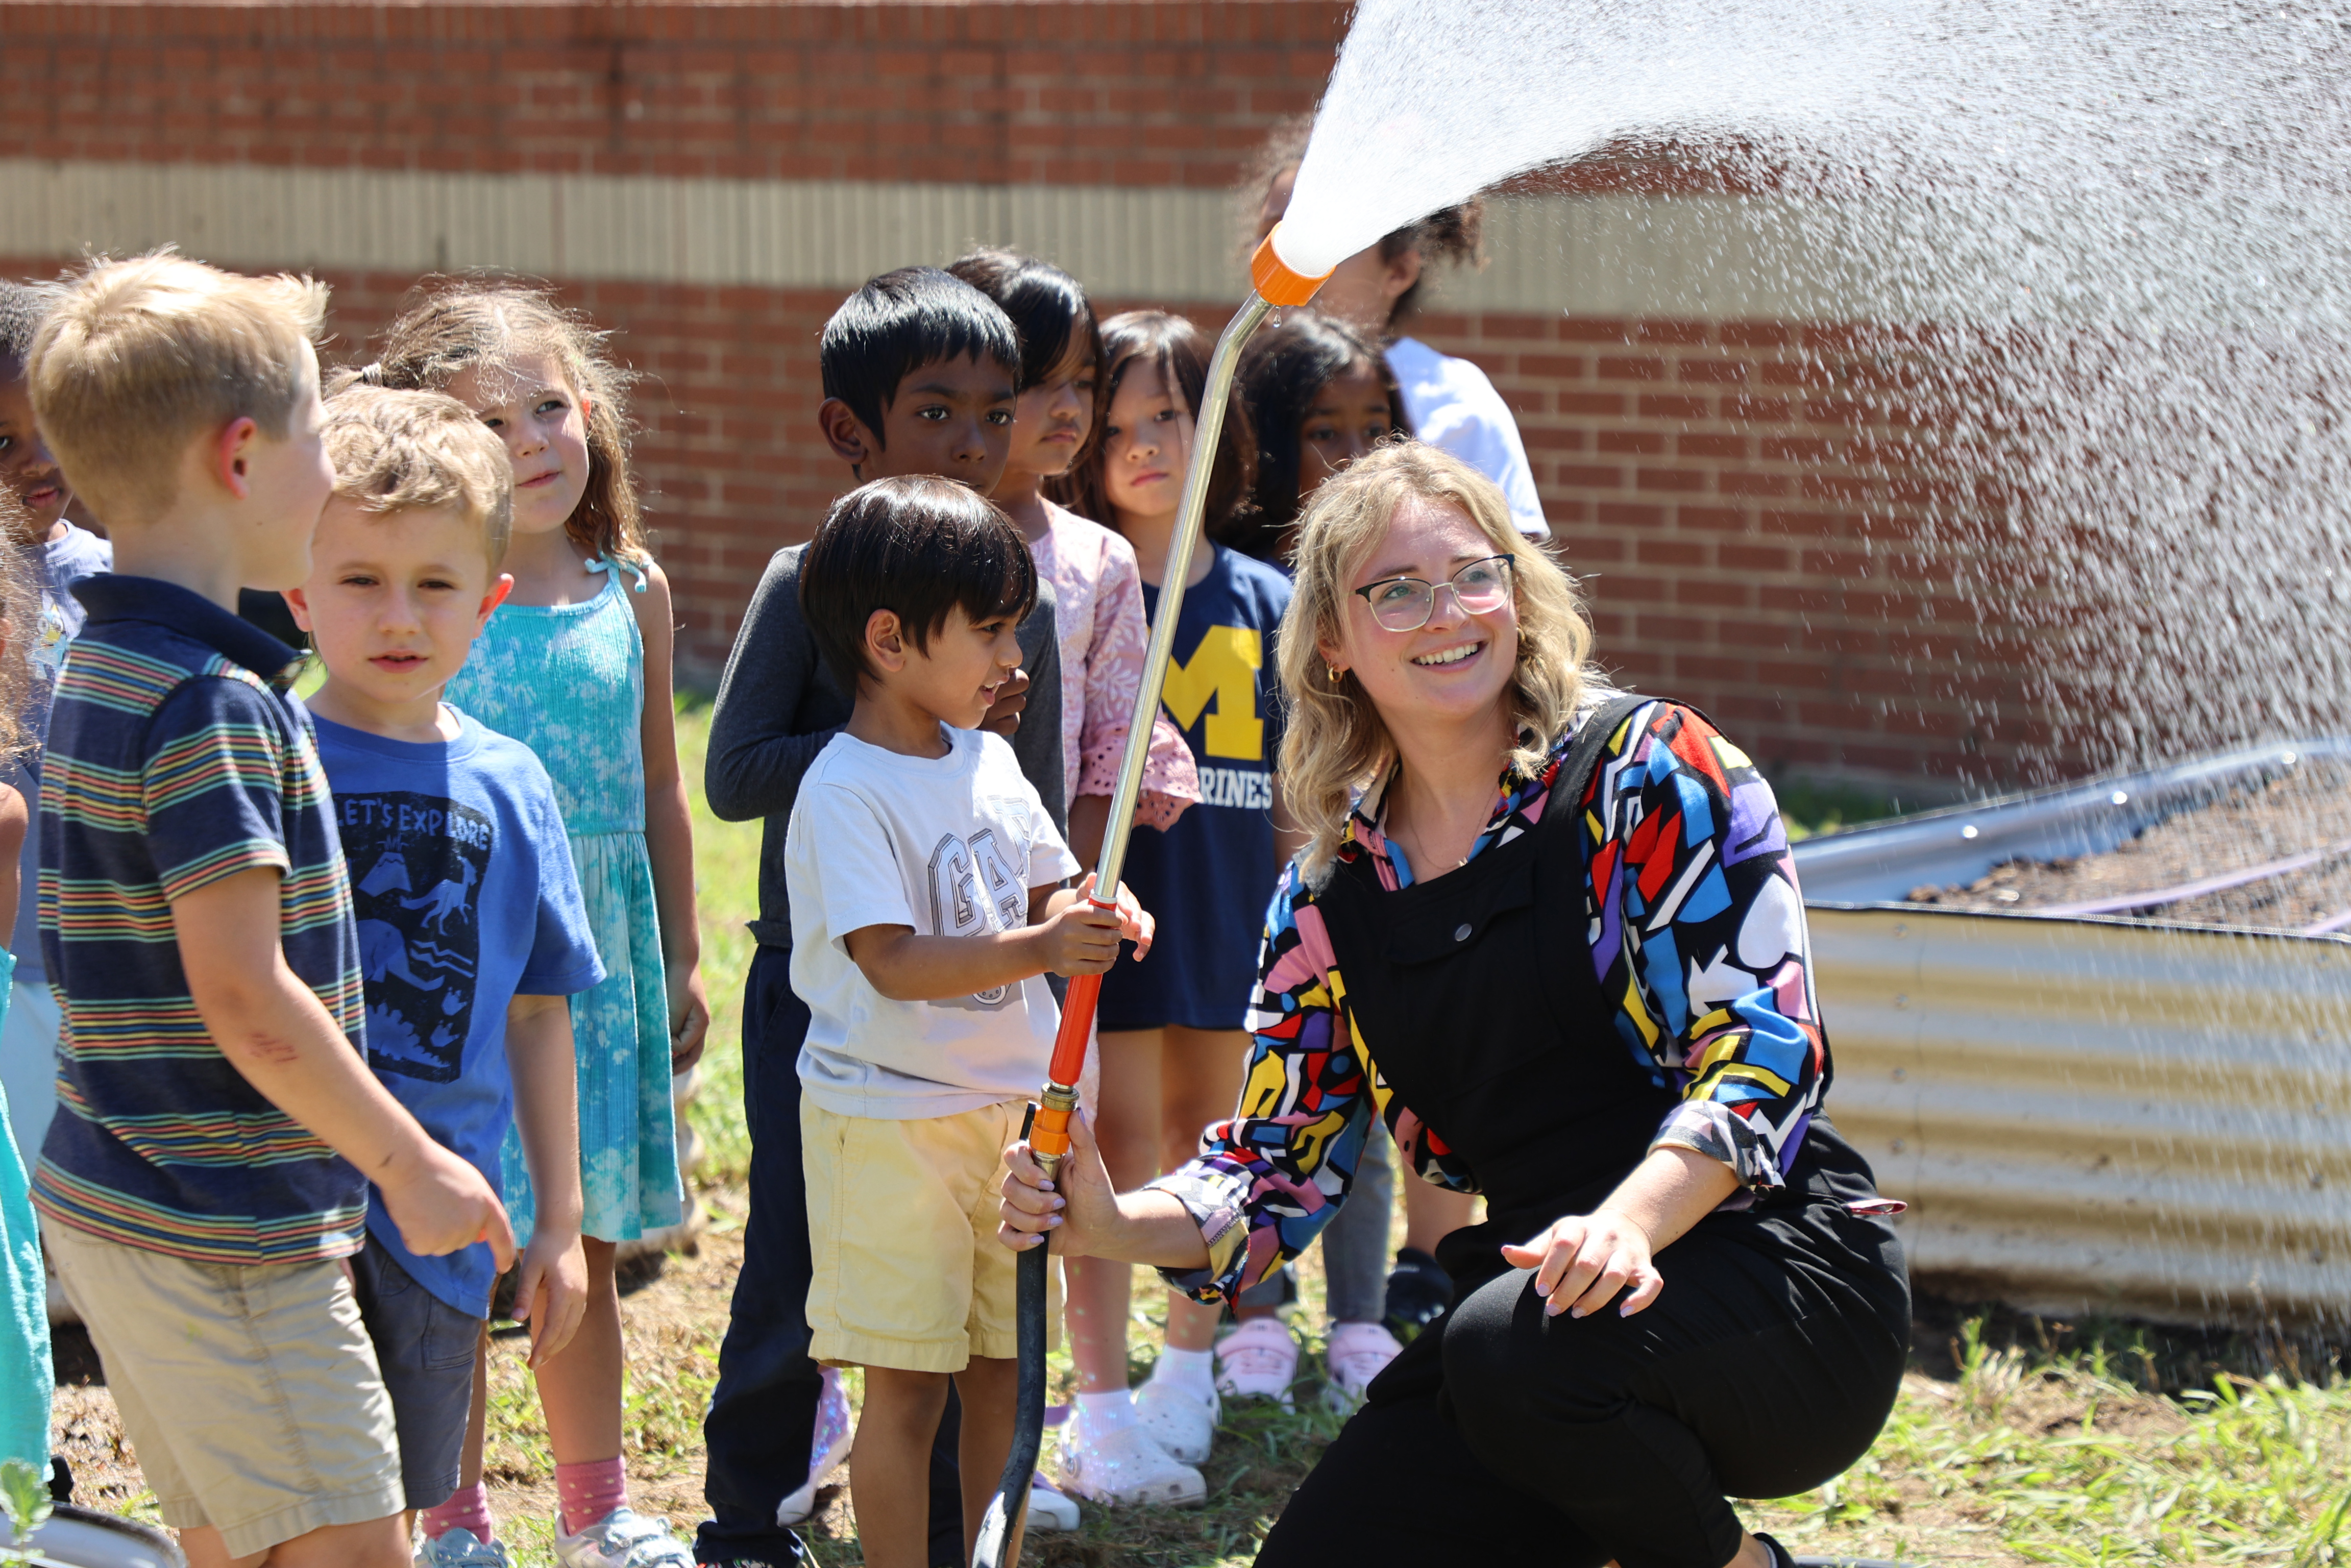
(1193, 1371)
(1103, 1415)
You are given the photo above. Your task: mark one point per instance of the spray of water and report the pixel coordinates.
(2097, 258)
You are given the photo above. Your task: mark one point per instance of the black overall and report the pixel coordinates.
(1767, 1367)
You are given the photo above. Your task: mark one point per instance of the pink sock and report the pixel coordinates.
(468, 1508)
(586, 1493)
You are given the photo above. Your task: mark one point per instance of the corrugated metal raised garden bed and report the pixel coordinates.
(2092, 1111)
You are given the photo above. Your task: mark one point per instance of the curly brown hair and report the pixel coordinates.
(20, 624)
(456, 324)
(1455, 235)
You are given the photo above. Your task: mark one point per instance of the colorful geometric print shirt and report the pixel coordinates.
(177, 758)
(1697, 935)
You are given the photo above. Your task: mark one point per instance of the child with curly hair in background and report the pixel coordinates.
(576, 664)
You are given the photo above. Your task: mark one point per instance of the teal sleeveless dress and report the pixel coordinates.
(568, 681)
(24, 1387)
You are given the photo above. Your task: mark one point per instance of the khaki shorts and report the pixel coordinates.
(901, 1231)
(251, 1393)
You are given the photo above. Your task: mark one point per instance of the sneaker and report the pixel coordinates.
(1127, 1468)
(1258, 1360)
(1357, 1353)
(1178, 1420)
(827, 1451)
(622, 1539)
(1048, 1507)
(1419, 1290)
(460, 1549)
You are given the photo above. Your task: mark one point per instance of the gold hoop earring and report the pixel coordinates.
(1334, 673)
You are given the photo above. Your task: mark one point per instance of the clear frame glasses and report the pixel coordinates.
(1406, 603)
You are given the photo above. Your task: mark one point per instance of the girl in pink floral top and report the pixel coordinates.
(1097, 591)
(1098, 606)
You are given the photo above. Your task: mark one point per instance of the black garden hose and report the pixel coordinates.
(1010, 1504)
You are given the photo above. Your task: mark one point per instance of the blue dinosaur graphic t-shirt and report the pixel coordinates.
(1206, 878)
(462, 882)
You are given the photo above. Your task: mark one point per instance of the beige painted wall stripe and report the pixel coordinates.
(1703, 257)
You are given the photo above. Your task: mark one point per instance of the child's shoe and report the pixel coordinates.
(1357, 1353)
(827, 1450)
(1048, 1507)
(1126, 1466)
(1258, 1360)
(1178, 1418)
(460, 1548)
(622, 1539)
(1419, 1290)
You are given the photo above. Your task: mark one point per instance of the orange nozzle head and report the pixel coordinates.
(1275, 282)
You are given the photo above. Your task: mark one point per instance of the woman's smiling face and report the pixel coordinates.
(1458, 665)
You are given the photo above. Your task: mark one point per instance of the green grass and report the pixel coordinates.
(726, 883)
(1808, 806)
(2102, 1445)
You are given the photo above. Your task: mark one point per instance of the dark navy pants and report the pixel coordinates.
(763, 1412)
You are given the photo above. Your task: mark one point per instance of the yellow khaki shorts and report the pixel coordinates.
(251, 1393)
(902, 1232)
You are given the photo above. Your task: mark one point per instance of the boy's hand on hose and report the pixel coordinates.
(440, 1203)
(1080, 939)
(1079, 1210)
(1581, 1262)
(552, 1295)
(1135, 922)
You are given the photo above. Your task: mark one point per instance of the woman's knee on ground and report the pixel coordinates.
(1507, 1366)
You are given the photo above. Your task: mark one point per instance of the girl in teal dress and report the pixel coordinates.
(25, 1382)
(576, 664)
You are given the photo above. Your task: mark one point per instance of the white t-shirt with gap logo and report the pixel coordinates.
(949, 846)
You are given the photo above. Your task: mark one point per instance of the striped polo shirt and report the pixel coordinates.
(178, 755)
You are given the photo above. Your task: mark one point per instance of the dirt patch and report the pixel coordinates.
(672, 1315)
(2301, 815)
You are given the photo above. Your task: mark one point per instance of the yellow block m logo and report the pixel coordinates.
(1224, 666)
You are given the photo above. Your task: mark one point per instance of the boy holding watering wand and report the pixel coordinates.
(925, 878)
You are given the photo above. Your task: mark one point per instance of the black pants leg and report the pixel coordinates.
(1574, 1441)
(763, 1412)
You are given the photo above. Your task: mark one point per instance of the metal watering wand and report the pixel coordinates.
(1274, 284)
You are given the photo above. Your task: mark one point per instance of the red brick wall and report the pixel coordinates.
(1051, 93)
(1740, 494)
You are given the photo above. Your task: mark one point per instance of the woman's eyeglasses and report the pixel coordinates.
(1406, 603)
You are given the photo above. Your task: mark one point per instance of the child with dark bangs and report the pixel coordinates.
(926, 879)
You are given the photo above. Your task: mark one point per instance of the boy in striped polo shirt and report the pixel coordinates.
(217, 1124)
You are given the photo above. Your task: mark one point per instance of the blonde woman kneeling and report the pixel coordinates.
(1583, 991)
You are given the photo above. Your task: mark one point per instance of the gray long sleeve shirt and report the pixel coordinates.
(779, 708)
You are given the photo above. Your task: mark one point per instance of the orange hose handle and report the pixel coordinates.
(1050, 1133)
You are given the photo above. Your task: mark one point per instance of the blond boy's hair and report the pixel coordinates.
(393, 450)
(139, 357)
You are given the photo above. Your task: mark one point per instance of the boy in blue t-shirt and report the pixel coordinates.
(470, 928)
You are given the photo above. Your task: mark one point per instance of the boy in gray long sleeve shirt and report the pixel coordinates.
(921, 371)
